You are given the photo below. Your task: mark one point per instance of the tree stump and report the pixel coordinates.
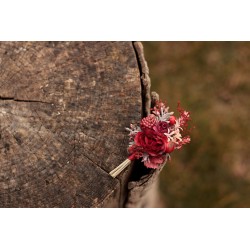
(64, 107)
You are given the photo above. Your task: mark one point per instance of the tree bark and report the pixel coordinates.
(64, 107)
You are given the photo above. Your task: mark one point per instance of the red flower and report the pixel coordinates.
(135, 152)
(154, 162)
(153, 143)
(161, 127)
(184, 116)
(159, 134)
(184, 141)
(148, 122)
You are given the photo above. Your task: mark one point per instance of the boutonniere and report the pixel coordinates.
(155, 137)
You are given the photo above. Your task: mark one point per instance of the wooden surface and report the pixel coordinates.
(63, 110)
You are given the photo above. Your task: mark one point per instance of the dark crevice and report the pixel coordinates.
(2, 98)
(139, 170)
(143, 113)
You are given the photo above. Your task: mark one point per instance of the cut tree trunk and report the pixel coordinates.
(64, 107)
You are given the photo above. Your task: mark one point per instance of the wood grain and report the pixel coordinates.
(63, 110)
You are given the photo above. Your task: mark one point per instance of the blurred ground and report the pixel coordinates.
(212, 80)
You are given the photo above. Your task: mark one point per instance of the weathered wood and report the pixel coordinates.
(63, 110)
(145, 79)
(144, 192)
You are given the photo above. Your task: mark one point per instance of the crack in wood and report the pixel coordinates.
(4, 98)
(144, 77)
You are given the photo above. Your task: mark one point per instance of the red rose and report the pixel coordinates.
(161, 127)
(153, 143)
(135, 152)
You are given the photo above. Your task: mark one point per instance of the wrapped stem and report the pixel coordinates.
(120, 168)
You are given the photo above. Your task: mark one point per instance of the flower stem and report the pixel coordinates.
(120, 168)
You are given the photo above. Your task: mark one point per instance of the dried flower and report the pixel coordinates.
(148, 122)
(159, 134)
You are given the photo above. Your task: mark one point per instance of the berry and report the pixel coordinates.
(172, 120)
(169, 147)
